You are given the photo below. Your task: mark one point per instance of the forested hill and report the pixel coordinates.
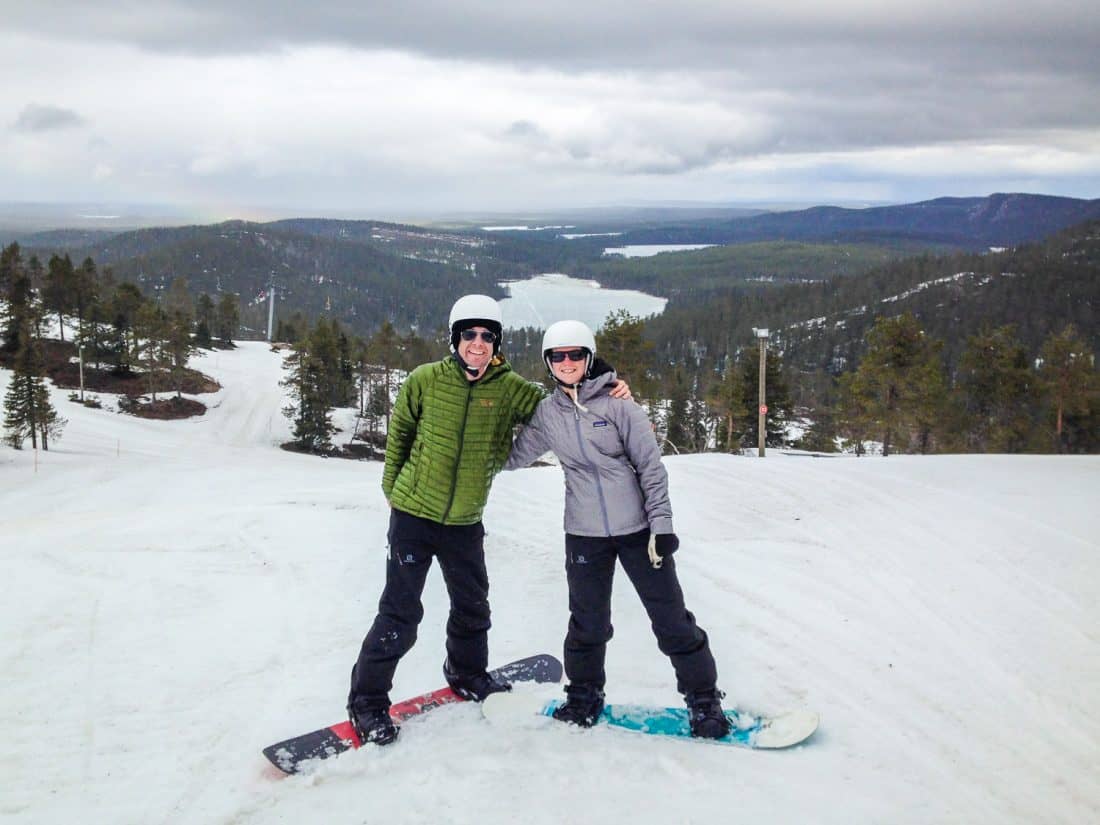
(999, 220)
(1039, 288)
(362, 273)
(357, 283)
(59, 238)
(358, 272)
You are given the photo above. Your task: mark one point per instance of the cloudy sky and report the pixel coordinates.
(398, 109)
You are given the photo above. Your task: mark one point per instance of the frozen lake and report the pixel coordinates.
(544, 299)
(645, 250)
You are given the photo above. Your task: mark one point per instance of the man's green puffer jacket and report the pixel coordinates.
(449, 437)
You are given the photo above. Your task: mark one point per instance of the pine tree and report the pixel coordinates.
(699, 425)
(85, 296)
(853, 411)
(59, 294)
(290, 331)
(122, 340)
(896, 385)
(344, 373)
(151, 328)
(821, 432)
(930, 404)
(777, 395)
(18, 411)
(309, 412)
(1068, 380)
(726, 401)
(997, 391)
(179, 344)
(28, 410)
(37, 275)
(821, 435)
(204, 320)
(96, 312)
(10, 261)
(677, 431)
(16, 285)
(384, 350)
(227, 319)
(50, 423)
(327, 349)
(374, 405)
(620, 343)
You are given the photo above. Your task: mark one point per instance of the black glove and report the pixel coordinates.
(667, 544)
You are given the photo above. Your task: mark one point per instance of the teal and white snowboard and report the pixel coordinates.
(748, 731)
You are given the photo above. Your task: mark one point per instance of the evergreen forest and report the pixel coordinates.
(900, 344)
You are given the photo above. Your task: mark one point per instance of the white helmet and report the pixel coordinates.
(568, 334)
(475, 311)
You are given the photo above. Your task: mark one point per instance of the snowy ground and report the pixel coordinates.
(177, 595)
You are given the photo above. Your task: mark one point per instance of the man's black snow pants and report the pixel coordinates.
(413, 543)
(590, 569)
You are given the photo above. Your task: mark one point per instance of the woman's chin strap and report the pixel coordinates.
(571, 391)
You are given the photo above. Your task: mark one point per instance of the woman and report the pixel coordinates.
(616, 507)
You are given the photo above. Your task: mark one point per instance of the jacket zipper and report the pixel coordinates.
(458, 455)
(595, 471)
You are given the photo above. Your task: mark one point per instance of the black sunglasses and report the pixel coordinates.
(471, 334)
(572, 355)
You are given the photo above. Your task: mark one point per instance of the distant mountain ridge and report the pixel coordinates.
(365, 272)
(1038, 288)
(969, 223)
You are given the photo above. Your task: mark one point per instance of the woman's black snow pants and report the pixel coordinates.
(590, 569)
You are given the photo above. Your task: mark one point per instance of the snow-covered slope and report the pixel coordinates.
(178, 595)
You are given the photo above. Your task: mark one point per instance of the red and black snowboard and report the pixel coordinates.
(289, 755)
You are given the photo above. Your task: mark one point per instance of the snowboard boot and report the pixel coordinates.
(372, 724)
(705, 714)
(582, 707)
(473, 688)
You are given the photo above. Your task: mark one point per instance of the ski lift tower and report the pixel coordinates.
(762, 429)
(270, 306)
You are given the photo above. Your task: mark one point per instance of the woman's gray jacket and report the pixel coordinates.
(615, 483)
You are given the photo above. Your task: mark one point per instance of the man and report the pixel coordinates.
(450, 434)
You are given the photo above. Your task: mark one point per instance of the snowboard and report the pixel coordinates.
(289, 755)
(748, 730)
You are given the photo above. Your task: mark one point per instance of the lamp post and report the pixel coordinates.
(762, 429)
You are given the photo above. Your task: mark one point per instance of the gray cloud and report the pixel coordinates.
(523, 129)
(38, 118)
(1059, 34)
(846, 74)
(610, 99)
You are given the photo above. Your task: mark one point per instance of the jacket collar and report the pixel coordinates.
(497, 366)
(588, 389)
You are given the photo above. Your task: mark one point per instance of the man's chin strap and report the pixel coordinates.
(464, 365)
(496, 359)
